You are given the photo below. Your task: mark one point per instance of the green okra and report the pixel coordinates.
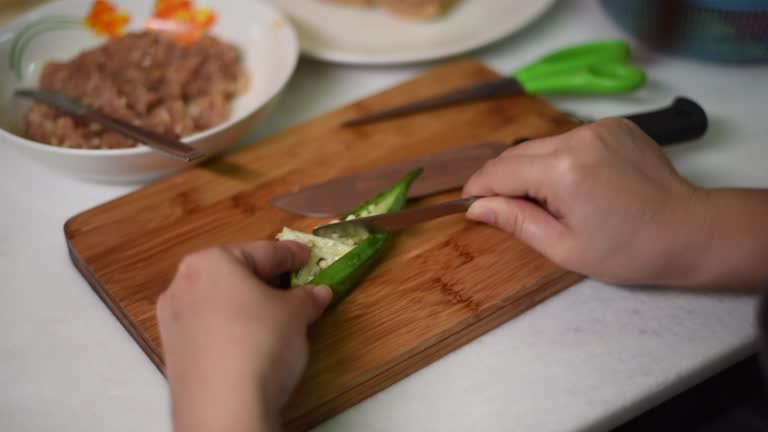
(341, 263)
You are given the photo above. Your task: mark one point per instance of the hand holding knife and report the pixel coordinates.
(683, 120)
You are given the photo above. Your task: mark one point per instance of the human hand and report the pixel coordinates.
(234, 346)
(603, 200)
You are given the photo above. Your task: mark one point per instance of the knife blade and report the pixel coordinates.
(393, 221)
(492, 89)
(443, 171)
(681, 121)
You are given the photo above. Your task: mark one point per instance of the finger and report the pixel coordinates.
(163, 310)
(267, 259)
(525, 220)
(512, 175)
(310, 301)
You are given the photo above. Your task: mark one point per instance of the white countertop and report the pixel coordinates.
(587, 359)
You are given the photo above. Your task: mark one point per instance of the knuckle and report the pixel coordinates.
(565, 163)
(193, 266)
(511, 221)
(608, 131)
(611, 123)
(188, 286)
(162, 303)
(513, 150)
(592, 132)
(490, 165)
(595, 137)
(572, 167)
(167, 307)
(621, 125)
(590, 138)
(589, 145)
(189, 267)
(494, 167)
(482, 177)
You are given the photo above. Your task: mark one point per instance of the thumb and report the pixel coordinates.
(525, 220)
(310, 301)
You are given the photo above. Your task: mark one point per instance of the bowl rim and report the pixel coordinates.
(9, 29)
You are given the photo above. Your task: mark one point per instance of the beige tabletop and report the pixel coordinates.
(11, 8)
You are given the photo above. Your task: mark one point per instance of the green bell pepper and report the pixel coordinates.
(341, 263)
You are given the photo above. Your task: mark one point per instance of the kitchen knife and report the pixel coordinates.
(393, 221)
(589, 68)
(683, 120)
(147, 137)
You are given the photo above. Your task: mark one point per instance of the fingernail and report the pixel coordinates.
(481, 213)
(323, 294)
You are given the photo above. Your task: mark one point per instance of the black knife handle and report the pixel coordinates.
(684, 120)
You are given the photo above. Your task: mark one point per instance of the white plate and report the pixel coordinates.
(355, 35)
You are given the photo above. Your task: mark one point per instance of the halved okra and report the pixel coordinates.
(341, 263)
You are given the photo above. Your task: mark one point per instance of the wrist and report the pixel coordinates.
(266, 408)
(689, 237)
(206, 397)
(724, 242)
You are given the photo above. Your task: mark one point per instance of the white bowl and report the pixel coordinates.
(270, 51)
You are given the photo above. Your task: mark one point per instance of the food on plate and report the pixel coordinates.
(144, 77)
(419, 9)
(342, 261)
(354, 2)
(422, 9)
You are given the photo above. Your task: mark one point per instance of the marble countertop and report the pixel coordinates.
(586, 359)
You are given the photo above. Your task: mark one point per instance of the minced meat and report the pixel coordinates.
(146, 78)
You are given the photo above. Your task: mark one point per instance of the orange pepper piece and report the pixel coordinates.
(170, 8)
(182, 19)
(105, 19)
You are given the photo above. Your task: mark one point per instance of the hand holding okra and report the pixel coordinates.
(234, 346)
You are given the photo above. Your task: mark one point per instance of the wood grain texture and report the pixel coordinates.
(438, 286)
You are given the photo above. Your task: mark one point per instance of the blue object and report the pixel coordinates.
(715, 30)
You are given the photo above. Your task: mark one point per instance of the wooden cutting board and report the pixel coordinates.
(439, 286)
